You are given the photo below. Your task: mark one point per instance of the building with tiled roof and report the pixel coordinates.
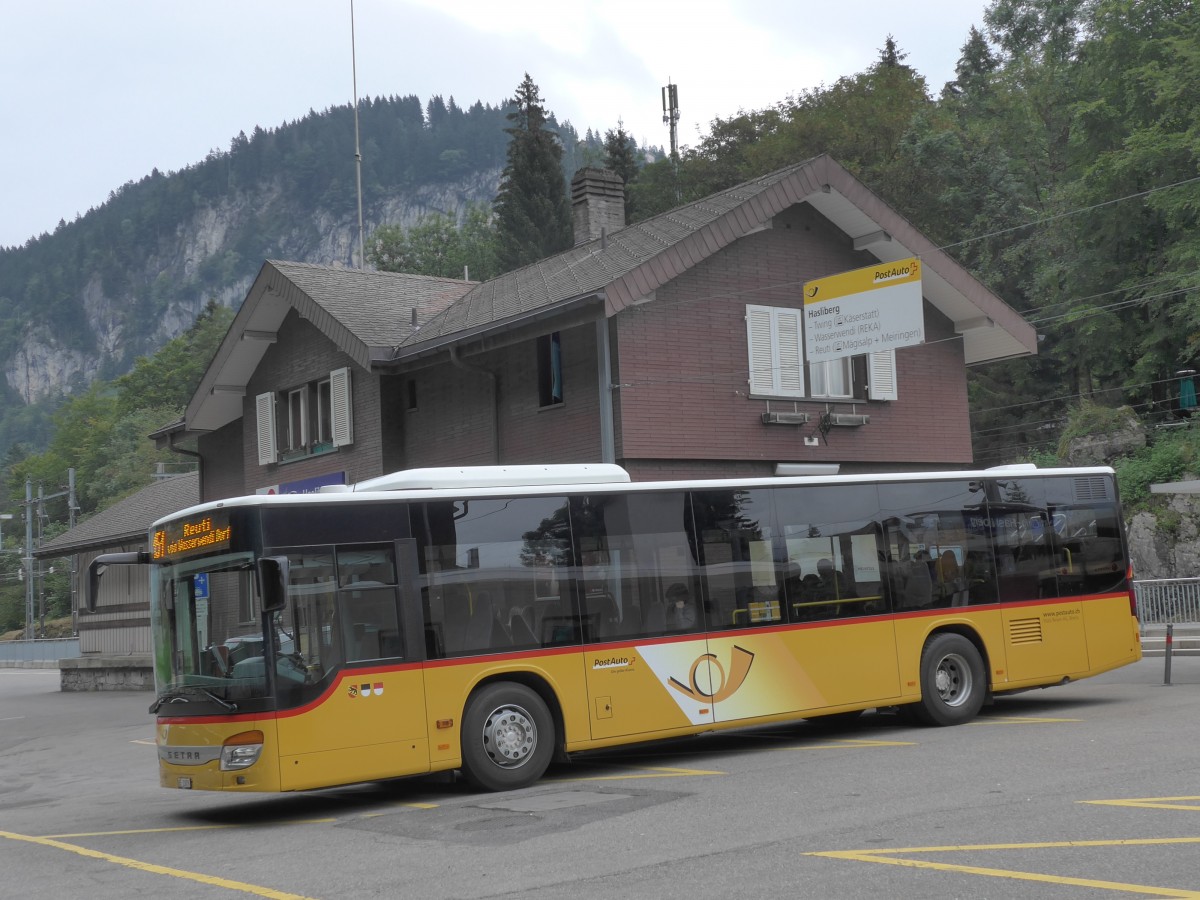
(115, 639)
(674, 347)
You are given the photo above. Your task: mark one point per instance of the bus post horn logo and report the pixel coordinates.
(722, 688)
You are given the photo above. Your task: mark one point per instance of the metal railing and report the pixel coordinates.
(1168, 601)
(39, 650)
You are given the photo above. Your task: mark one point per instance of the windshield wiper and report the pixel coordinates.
(178, 696)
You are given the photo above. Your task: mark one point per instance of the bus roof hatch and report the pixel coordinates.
(495, 476)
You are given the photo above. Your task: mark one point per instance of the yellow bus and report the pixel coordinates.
(491, 619)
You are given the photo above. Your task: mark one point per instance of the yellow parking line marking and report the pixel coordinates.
(848, 744)
(376, 815)
(1019, 720)
(641, 772)
(82, 834)
(1152, 803)
(156, 869)
(886, 857)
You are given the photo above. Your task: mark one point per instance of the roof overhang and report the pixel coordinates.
(219, 398)
(991, 329)
(567, 313)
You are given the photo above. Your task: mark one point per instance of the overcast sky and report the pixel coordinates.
(95, 94)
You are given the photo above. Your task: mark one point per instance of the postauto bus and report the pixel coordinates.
(489, 619)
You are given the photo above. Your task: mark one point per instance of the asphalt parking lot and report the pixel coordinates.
(1086, 790)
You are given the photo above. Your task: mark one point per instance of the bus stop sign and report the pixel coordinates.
(866, 310)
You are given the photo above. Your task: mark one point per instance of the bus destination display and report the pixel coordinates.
(192, 536)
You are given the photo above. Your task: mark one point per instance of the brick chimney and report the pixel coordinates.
(597, 202)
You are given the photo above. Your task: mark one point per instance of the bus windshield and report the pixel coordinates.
(208, 634)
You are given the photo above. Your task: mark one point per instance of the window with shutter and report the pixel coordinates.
(268, 449)
(775, 344)
(775, 341)
(341, 408)
(881, 375)
(297, 419)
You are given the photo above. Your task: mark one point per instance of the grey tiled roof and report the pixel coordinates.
(590, 267)
(128, 519)
(376, 307)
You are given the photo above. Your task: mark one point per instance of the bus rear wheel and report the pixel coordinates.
(507, 737)
(953, 681)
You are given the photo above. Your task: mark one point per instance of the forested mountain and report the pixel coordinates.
(1060, 166)
(85, 302)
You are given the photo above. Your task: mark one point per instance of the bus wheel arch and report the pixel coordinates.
(510, 733)
(954, 678)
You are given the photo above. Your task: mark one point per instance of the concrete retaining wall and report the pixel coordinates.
(101, 673)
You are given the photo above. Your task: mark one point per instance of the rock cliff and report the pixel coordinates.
(205, 258)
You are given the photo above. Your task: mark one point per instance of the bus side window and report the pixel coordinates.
(493, 570)
(632, 548)
(734, 531)
(373, 630)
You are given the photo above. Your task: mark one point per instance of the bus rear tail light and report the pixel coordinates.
(241, 751)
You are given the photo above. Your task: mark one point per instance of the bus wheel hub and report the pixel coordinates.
(509, 735)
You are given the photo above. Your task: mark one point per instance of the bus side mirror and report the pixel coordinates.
(273, 582)
(101, 563)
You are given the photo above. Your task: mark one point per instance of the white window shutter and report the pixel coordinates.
(881, 376)
(789, 362)
(758, 338)
(775, 341)
(341, 408)
(268, 450)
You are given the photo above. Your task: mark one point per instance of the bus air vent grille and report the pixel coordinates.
(1025, 631)
(1091, 487)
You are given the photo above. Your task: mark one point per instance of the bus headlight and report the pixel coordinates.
(241, 751)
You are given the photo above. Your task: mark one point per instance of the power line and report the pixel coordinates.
(1072, 212)
(1119, 290)
(1041, 401)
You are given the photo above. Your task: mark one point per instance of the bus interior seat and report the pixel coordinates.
(480, 631)
(525, 614)
(221, 657)
(656, 619)
(918, 588)
(559, 630)
(455, 617)
(435, 646)
(366, 642)
(389, 644)
(602, 614)
(521, 633)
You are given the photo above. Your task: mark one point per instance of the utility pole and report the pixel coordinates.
(28, 560)
(30, 590)
(72, 508)
(362, 256)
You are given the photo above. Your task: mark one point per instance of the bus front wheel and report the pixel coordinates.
(953, 681)
(507, 737)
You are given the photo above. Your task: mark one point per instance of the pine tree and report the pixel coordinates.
(533, 217)
(976, 65)
(620, 155)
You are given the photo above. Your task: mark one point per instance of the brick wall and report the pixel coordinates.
(221, 473)
(453, 421)
(302, 354)
(684, 367)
